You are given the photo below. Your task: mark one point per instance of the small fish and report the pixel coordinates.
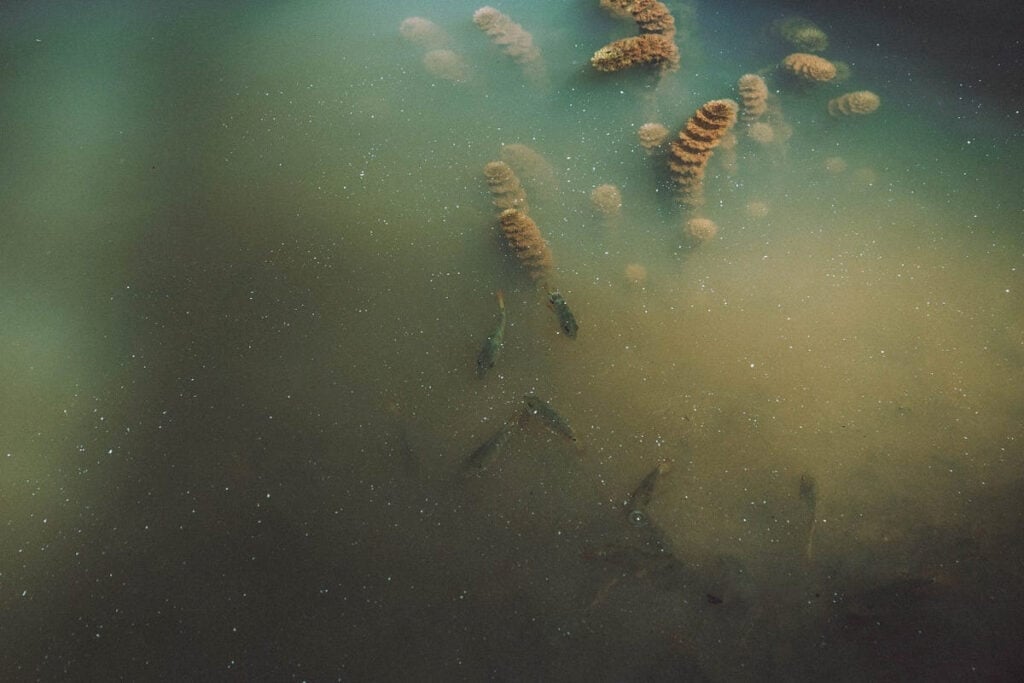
(539, 408)
(809, 492)
(492, 346)
(486, 451)
(404, 451)
(628, 556)
(636, 506)
(809, 495)
(566, 320)
(655, 565)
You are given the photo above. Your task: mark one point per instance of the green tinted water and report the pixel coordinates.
(249, 259)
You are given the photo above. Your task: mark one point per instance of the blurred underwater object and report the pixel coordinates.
(482, 456)
(439, 61)
(727, 153)
(530, 165)
(856, 103)
(890, 600)
(757, 209)
(617, 8)
(505, 187)
(809, 497)
(423, 32)
(761, 133)
(607, 199)
(864, 178)
(753, 96)
(809, 68)
(843, 71)
(803, 34)
(651, 563)
(835, 165)
(446, 64)
(652, 135)
(399, 442)
(515, 41)
(636, 274)
(701, 230)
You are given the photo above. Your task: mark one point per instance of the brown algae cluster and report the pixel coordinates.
(505, 187)
(515, 41)
(607, 199)
(854, 103)
(809, 68)
(801, 33)
(655, 44)
(532, 250)
(753, 96)
(652, 135)
(690, 152)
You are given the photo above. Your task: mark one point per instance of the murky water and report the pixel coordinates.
(249, 259)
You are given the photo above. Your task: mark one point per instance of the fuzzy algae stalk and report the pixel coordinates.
(690, 152)
(530, 248)
(647, 48)
(655, 44)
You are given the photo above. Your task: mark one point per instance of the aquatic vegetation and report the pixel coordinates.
(515, 41)
(701, 230)
(636, 274)
(854, 103)
(655, 44)
(809, 68)
(693, 148)
(645, 49)
(753, 93)
(524, 237)
(652, 135)
(803, 34)
(506, 190)
(606, 199)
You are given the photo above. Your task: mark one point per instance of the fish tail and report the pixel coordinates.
(809, 548)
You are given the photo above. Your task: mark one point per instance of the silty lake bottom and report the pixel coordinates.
(249, 259)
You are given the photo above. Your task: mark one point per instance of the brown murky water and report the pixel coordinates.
(249, 260)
